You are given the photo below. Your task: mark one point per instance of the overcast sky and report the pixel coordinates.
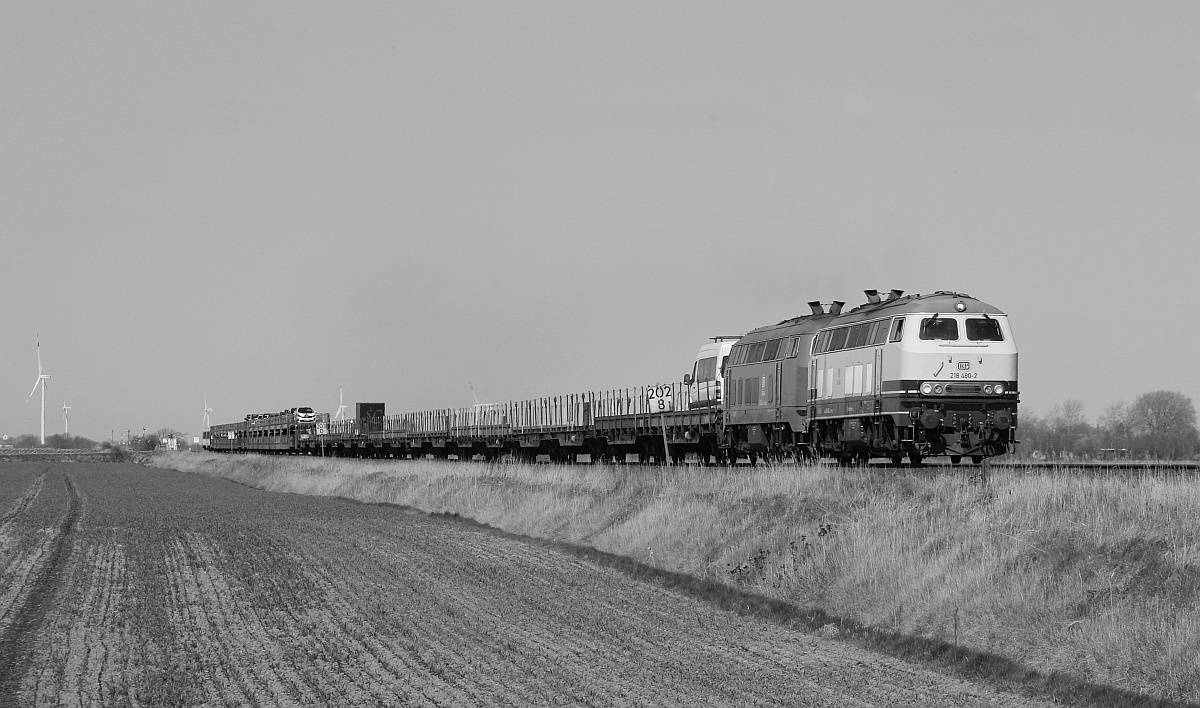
(257, 202)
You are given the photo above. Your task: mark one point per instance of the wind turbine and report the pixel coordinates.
(207, 410)
(66, 423)
(41, 381)
(341, 412)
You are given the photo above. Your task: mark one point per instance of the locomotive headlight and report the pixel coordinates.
(937, 389)
(999, 389)
(926, 388)
(987, 390)
(960, 306)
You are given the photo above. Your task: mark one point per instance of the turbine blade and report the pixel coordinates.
(35, 385)
(39, 348)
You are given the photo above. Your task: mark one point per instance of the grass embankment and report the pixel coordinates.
(1096, 578)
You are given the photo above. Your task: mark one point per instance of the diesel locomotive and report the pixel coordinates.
(898, 377)
(901, 377)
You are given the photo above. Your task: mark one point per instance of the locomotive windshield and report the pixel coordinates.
(706, 369)
(984, 330)
(935, 327)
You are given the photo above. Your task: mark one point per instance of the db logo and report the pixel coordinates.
(964, 366)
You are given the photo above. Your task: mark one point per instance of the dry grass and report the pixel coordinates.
(1092, 577)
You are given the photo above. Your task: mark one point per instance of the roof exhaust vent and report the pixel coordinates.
(816, 307)
(835, 307)
(895, 295)
(872, 296)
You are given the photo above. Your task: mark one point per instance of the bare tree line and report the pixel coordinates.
(1157, 425)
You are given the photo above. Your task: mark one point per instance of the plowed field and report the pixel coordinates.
(121, 585)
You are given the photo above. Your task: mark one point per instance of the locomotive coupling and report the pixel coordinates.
(931, 419)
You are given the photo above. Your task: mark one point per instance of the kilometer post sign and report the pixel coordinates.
(660, 399)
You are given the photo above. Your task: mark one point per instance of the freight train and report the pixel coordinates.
(901, 377)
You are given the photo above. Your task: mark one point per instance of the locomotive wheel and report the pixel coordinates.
(914, 459)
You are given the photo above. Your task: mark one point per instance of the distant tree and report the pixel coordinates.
(1115, 427)
(1164, 424)
(1068, 419)
(1033, 434)
(56, 441)
(1159, 424)
(69, 442)
(1068, 432)
(26, 441)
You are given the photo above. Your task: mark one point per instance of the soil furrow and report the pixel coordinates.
(185, 590)
(18, 639)
(23, 502)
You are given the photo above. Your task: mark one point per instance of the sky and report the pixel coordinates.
(256, 203)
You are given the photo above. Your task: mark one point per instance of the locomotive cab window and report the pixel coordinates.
(984, 329)
(897, 329)
(939, 328)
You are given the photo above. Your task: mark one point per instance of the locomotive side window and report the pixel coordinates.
(854, 338)
(939, 328)
(897, 329)
(869, 333)
(771, 350)
(984, 330)
(880, 333)
(794, 348)
(756, 353)
(838, 340)
(822, 340)
(860, 335)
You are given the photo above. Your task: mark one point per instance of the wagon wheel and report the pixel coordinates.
(955, 459)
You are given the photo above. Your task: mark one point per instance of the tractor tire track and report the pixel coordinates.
(17, 641)
(23, 503)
